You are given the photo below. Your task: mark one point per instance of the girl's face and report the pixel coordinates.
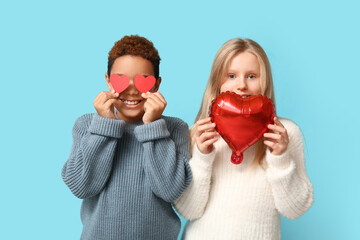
(130, 104)
(243, 75)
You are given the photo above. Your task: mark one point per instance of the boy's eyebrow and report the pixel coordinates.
(146, 74)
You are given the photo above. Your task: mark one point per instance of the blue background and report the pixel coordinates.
(53, 57)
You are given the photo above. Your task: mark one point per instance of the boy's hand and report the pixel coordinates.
(153, 107)
(104, 103)
(206, 135)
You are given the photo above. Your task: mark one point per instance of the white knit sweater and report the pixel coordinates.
(227, 201)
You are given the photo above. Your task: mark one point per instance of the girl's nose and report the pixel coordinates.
(241, 84)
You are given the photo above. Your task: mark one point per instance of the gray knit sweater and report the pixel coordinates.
(127, 174)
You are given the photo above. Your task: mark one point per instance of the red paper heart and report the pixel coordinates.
(119, 83)
(144, 84)
(241, 121)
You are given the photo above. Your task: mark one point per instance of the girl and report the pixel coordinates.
(227, 201)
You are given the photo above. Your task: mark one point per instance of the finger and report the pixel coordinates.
(203, 121)
(159, 96)
(274, 136)
(269, 144)
(207, 135)
(101, 98)
(277, 128)
(149, 105)
(157, 99)
(109, 103)
(201, 141)
(152, 102)
(97, 98)
(145, 95)
(209, 142)
(210, 127)
(108, 95)
(277, 122)
(112, 94)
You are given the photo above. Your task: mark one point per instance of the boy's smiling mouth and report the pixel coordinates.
(131, 103)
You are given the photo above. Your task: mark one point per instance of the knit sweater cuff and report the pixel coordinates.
(152, 131)
(202, 160)
(106, 126)
(282, 161)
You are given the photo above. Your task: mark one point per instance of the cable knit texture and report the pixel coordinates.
(227, 201)
(128, 173)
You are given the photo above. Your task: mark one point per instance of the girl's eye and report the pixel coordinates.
(231, 76)
(251, 76)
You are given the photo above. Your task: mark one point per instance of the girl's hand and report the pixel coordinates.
(278, 140)
(154, 106)
(205, 135)
(104, 103)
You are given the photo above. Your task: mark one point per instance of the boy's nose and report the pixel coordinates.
(131, 88)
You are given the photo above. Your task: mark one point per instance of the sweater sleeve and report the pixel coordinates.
(291, 187)
(166, 157)
(193, 201)
(89, 165)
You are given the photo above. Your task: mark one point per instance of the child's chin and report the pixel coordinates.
(130, 115)
(134, 119)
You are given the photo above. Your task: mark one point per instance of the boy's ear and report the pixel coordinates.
(157, 84)
(108, 82)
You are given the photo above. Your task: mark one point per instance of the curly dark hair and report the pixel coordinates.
(136, 46)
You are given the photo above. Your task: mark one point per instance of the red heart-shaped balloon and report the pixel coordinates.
(241, 121)
(144, 84)
(119, 83)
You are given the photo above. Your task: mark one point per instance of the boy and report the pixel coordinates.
(129, 163)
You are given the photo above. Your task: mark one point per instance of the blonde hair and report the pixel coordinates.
(218, 73)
